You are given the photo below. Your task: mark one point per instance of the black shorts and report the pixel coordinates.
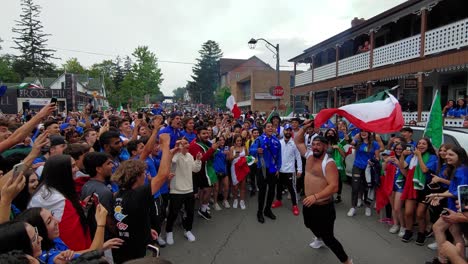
(421, 195)
(358, 171)
(221, 175)
(200, 181)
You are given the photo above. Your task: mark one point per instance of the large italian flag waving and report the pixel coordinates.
(231, 104)
(380, 113)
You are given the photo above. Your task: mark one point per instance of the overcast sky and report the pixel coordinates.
(175, 30)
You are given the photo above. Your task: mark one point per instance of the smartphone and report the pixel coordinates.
(153, 249)
(463, 197)
(17, 169)
(433, 186)
(408, 148)
(53, 100)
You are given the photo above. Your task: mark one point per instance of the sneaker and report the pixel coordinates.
(421, 239)
(206, 215)
(295, 210)
(226, 204)
(407, 237)
(276, 204)
(359, 202)
(338, 199)
(235, 203)
(402, 232)
(169, 238)
(433, 246)
(217, 207)
(161, 242)
(242, 204)
(317, 243)
(394, 229)
(190, 237)
(352, 212)
(368, 211)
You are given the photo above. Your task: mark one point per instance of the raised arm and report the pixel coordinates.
(152, 140)
(164, 166)
(299, 138)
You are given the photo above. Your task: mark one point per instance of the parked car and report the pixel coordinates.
(455, 136)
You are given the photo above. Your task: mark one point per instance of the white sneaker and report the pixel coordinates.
(217, 207)
(190, 237)
(242, 204)
(317, 243)
(352, 211)
(161, 241)
(169, 238)
(402, 232)
(368, 211)
(359, 202)
(226, 204)
(433, 246)
(394, 229)
(235, 203)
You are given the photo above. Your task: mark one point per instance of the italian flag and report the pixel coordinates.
(435, 123)
(240, 168)
(380, 113)
(231, 104)
(29, 86)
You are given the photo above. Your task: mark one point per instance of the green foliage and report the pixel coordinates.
(31, 42)
(73, 66)
(220, 101)
(179, 94)
(7, 72)
(206, 74)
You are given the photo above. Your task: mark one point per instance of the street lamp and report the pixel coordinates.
(252, 42)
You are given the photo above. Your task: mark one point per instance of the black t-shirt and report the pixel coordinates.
(132, 216)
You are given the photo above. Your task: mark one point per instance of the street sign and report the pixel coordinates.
(278, 91)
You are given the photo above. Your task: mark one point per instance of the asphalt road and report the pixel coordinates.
(235, 236)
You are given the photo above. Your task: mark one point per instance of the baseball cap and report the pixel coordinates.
(287, 126)
(56, 140)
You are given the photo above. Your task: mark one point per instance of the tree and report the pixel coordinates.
(220, 101)
(206, 73)
(142, 78)
(179, 94)
(31, 42)
(73, 66)
(7, 72)
(118, 74)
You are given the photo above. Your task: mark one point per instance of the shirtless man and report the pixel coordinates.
(320, 183)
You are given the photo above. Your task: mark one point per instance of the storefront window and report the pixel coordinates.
(320, 101)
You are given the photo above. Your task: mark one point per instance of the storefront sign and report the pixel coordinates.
(39, 101)
(266, 96)
(411, 83)
(41, 93)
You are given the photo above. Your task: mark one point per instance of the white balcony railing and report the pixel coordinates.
(325, 72)
(354, 64)
(451, 36)
(303, 78)
(406, 49)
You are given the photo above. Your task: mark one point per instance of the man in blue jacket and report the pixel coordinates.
(267, 150)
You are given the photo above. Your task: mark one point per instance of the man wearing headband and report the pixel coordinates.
(320, 183)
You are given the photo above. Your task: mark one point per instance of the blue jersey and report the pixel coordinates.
(365, 153)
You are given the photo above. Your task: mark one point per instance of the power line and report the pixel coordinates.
(162, 61)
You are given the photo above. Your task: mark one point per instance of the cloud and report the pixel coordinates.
(176, 30)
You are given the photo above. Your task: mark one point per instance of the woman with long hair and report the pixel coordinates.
(391, 167)
(459, 110)
(53, 248)
(57, 194)
(457, 171)
(417, 167)
(238, 168)
(22, 199)
(20, 236)
(366, 150)
(336, 151)
(220, 167)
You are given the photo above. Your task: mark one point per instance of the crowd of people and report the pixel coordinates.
(86, 184)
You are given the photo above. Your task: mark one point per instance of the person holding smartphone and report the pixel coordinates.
(457, 171)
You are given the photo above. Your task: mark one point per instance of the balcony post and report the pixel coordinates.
(337, 58)
(295, 69)
(369, 89)
(335, 97)
(371, 51)
(420, 78)
(311, 102)
(312, 67)
(423, 34)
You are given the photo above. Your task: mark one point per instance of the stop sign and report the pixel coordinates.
(278, 91)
